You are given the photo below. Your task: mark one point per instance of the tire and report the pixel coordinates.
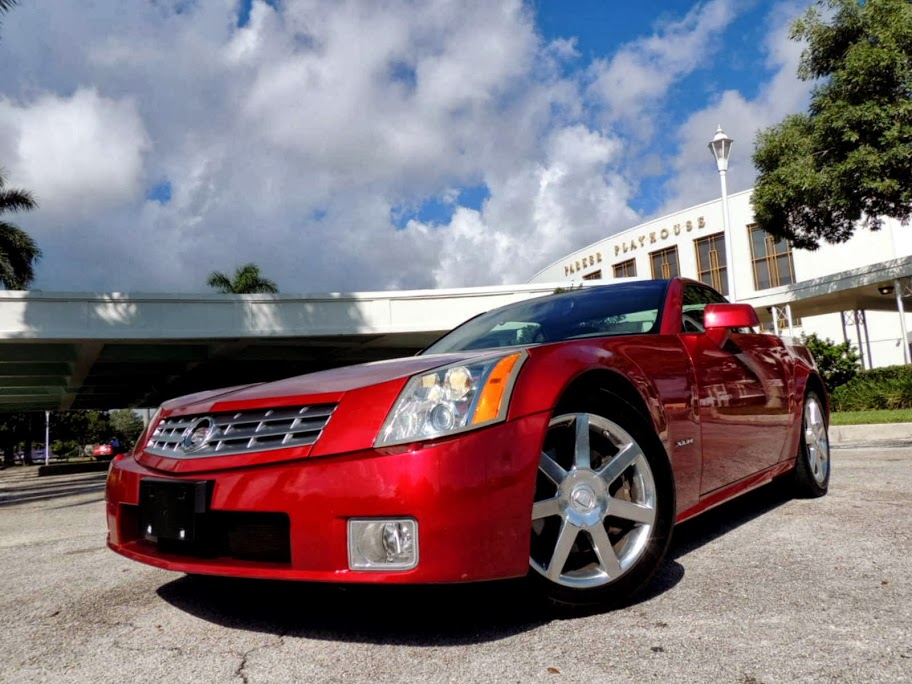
(603, 510)
(812, 465)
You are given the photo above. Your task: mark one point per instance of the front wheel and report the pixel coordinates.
(812, 468)
(603, 509)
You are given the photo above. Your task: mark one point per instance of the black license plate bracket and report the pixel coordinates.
(171, 509)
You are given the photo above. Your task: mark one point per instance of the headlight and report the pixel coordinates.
(452, 399)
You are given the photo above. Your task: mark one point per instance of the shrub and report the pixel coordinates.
(66, 448)
(837, 363)
(878, 388)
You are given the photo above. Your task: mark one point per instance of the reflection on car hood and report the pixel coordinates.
(323, 386)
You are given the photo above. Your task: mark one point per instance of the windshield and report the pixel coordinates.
(623, 309)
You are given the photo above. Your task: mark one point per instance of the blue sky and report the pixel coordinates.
(598, 27)
(346, 145)
(734, 61)
(244, 7)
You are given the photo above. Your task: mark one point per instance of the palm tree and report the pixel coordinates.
(247, 280)
(18, 252)
(7, 5)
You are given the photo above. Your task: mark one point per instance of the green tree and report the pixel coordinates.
(98, 428)
(127, 426)
(247, 280)
(68, 432)
(86, 427)
(850, 156)
(18, 252)
(20, 431)
(14, 429)
(837, 363)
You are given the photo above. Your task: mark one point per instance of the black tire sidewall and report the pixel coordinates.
(806, 485)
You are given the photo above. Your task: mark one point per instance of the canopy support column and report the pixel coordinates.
(898, 289)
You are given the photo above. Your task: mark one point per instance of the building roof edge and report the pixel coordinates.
(632, 229)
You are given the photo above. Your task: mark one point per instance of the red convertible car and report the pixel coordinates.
(560, 437)
(106, 451)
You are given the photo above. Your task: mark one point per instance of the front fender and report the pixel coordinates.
(657, 367)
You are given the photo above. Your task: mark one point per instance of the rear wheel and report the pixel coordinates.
(603, 509)
(812, 468)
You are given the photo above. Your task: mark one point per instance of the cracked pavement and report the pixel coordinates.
(764, 590)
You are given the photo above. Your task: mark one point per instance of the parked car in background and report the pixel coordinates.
(562, 437)
(36, 458)
(107, 451)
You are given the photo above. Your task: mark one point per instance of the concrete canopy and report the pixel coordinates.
(852, 290)
(63, 351)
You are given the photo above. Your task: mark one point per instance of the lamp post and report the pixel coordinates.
(720, 146)
(47, 437)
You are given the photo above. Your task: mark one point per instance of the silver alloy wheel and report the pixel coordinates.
(595, 506)
(816, 440)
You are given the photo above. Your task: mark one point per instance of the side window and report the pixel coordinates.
(695, 300)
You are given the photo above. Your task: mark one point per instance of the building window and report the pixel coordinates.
(595, 275)
(711, 265)
(771, 258)
(626, 269)
(664, 263)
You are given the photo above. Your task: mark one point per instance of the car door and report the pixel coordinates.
(742, 394)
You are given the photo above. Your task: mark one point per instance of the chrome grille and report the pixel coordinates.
(244, 431)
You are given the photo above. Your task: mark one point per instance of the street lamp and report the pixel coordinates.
(720, 146)
(47, 437)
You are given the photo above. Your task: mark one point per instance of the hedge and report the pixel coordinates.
(878, 388)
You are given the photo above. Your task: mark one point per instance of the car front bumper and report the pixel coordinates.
(471, 496)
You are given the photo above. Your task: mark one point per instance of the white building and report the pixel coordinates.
(853, 291)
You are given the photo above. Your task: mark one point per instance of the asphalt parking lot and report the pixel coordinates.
(763, 590)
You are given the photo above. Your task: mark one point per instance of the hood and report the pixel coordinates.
(314, 388)
(362, 395)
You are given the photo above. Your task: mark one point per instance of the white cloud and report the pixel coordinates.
(78, 154)
(291, 142)
(390, 97)
(539, 212)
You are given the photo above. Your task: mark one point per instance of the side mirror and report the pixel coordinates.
(718, 319)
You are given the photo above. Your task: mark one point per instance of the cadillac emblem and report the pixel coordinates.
(197, 435)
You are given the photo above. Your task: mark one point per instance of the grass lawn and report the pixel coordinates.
(869, 417)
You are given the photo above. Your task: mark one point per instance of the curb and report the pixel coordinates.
(867, 434)
(70, 468)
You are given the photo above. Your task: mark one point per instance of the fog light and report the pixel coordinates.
(382, 544)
